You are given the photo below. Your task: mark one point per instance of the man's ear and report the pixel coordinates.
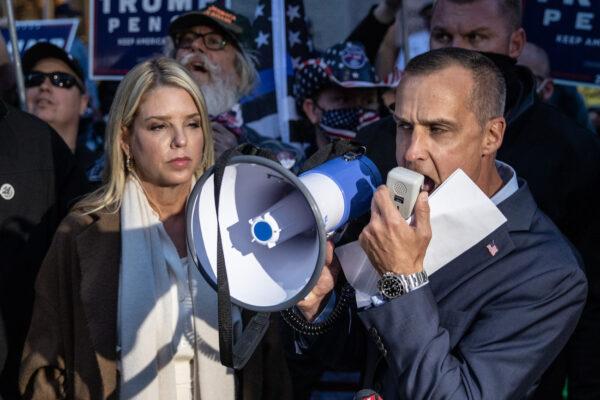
(517, 42)
(494, 134)
(83, 103)
(312, 111)
(547, 90)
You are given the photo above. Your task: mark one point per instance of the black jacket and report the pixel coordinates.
(38, 182)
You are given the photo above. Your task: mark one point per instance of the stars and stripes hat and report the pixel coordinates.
(345, 64)
(235, 26)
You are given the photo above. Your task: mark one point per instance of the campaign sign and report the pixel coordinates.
(569, 31)
(60, 32)
(124, 33)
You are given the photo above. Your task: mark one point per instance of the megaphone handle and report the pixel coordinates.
(232, 356)
(223, 299)
(251, 337)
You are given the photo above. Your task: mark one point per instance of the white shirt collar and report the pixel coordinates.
(509, 177)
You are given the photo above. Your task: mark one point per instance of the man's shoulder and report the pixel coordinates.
(77, 223)
(26, 137)
(553, 128)
(26, 121)
(288, 155)
(535, 237)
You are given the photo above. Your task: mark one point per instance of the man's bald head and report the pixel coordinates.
(536, 59)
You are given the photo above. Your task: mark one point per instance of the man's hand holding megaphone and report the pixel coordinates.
(312, 304)
(389, 241)
(391, 244)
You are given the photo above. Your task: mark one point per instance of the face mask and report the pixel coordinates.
(345, 122)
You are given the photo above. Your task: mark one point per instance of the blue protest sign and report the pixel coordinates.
(59, 32)
(569, 31)
(126, 32)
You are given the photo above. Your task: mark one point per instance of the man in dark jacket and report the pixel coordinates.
(558, 158)
(38, 182)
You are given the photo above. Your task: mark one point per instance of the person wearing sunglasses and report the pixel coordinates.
(54, 89)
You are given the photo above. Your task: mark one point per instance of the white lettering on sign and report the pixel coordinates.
(151, 6)
(105, 6)
(582, 3)
(569, 39)
(154, 24)
(179, 5)
(133, 24)
(127, 6)
(582, 22)
(125, 41)
(113, 23)
(551, 15)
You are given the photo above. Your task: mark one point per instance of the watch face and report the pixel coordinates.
(390, 286)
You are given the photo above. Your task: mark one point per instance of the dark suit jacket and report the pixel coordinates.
(486, 326)
(71, 346)
(561, 162)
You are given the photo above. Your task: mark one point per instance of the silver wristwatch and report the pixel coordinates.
(395, 285)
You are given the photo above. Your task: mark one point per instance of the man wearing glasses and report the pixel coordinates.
(214, 45)
(55, 90)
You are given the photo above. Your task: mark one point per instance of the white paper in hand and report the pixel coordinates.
(461, 216)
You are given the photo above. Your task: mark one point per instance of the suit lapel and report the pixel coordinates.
(99, 249)
(519, 210)
(492, 248)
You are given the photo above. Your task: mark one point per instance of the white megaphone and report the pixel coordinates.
(274, 225)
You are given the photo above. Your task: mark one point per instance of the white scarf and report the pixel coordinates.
(149, 331)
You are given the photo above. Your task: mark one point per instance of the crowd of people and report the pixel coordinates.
(99, 297)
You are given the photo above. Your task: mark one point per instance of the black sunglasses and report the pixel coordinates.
(58, 79)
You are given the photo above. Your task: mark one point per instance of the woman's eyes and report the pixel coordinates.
(157, 127)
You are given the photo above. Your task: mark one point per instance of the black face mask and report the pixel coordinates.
(345, 122)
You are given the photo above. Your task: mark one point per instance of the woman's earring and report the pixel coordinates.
(129, 163)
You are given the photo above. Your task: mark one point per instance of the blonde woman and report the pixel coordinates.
(120, 310)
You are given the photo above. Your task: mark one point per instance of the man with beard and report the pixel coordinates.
(215, 45)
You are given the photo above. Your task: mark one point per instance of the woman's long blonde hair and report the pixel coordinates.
(139, 81)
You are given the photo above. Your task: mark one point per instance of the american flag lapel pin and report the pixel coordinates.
(492, 248)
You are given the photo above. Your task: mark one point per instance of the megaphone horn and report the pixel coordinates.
(274, 224)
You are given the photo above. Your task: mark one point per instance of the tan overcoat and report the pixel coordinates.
(70, 351)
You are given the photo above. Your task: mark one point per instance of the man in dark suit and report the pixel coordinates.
(487, 324)
(559, 159)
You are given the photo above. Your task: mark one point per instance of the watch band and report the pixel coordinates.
(413, 281)
(395, 285)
